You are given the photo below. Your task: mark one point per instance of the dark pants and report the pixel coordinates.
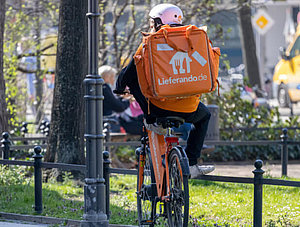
(199, 119)
(184, 130)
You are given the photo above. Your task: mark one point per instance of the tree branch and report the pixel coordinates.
(21, 69)
(116, 18)
(38, 52)
(130, 35)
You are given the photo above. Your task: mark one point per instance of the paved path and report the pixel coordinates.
(245, 169)
(17, 223)
(13, 223)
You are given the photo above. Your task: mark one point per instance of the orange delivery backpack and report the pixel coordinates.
(177, 62)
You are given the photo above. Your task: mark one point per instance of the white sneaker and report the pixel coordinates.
(197, 170)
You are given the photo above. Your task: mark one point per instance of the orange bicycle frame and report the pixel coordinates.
(160, 148)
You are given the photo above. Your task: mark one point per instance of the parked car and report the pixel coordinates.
(286, 78)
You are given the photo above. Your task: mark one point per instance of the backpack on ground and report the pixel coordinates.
(177, 62)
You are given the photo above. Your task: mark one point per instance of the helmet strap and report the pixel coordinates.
(157, 23)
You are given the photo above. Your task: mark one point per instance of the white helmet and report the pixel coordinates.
(167, 13)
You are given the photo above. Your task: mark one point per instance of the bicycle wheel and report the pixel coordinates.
(146, 204)
(178, 206)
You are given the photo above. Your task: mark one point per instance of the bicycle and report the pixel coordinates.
(163, 173)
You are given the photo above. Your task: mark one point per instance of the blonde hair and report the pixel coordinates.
(106, 70)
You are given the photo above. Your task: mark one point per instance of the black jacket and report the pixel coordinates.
(128, 77)
(111, 103)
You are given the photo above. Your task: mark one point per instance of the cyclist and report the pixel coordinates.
(190, 109)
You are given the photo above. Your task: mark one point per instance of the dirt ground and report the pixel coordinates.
(242, 169)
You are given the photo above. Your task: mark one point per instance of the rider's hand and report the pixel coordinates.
(119, 92)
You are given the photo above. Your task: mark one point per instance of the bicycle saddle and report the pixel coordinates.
(169, 122)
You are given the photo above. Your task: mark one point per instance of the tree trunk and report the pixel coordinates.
(3, 111)
(66, 143)
(248, 44)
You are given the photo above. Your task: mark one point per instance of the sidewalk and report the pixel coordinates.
(19, 220)
(14, 223)
(242, 169)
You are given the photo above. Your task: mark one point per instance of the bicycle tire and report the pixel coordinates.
(146, 203)
(178, 205)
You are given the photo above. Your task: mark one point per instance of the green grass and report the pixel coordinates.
(211, 203)
(59, 201)
(224, 204)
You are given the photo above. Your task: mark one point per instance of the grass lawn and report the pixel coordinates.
(211, 203)
(221, 204)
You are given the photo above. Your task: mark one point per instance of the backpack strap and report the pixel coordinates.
(218, 87)
(172, 44)
(188, 34)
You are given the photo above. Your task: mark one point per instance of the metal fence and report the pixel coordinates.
(258, 181)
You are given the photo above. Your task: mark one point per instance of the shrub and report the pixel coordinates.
(235, 112)
(12, 175)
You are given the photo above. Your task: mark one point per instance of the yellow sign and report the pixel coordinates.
(262, 22)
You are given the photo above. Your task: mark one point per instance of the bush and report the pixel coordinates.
(12, 175)
(235, 112)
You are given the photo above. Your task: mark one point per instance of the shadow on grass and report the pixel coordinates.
(20, 199)
(125, 216)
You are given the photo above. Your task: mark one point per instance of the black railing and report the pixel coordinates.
(283, 142)
(38, 165)
(258, 181)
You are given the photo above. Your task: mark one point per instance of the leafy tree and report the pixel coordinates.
(15, 85)
(3, 113)
(121, 24)
(67, 123)
(19, 42)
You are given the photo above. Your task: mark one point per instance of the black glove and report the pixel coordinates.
(119, 92)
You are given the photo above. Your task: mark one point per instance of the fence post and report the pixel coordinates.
(284, 152)
(5, 145)
(38, 180)
(258, 192)
(42, 126)
(106, 163)
(24, 131)
(24, 128)
(47, 129)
